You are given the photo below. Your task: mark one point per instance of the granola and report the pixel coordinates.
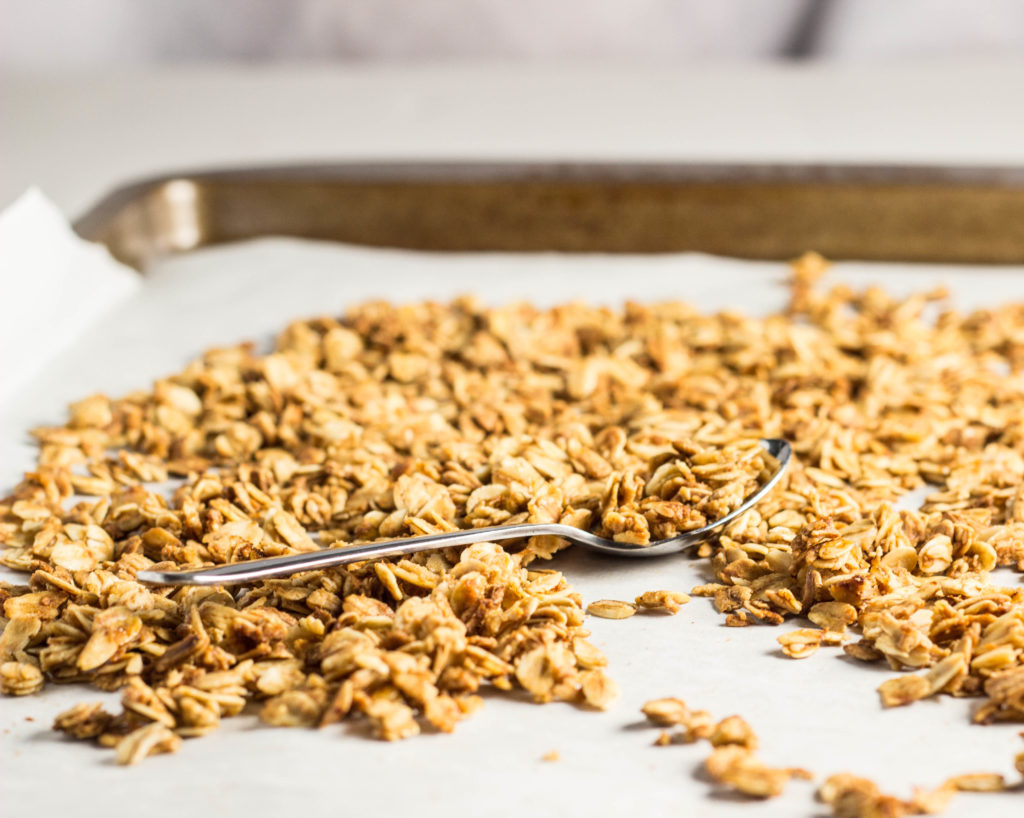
(850, 796)
(611, 609)
(733, 761)
(668, 601)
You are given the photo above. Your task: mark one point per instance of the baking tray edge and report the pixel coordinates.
(886, 213)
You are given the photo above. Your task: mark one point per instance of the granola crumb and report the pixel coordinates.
(611, 609)
(733, 761)
(664, 739)
(668, 602)
(801, 643)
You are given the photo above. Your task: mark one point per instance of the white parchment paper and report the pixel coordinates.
(821, 713)
(53, 286)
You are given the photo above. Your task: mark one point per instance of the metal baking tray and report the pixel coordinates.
(919, 214)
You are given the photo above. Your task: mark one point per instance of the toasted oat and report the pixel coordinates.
(667, 712)
(733, 730)
(800, 644)
(611, 609)
(83, 721)
(551, 755)
(668, 601)
(853, 797)
(977, 782)
(146, 741)
(903, 690)
(698, 725)
(20, 678)
(738, 768)
(931, 802)
(598, 689)
(862, 652)
(833, 616)
(588, 655)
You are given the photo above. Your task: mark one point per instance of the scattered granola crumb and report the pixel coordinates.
(145, 741)
(739, 768)
(733, 761)
(733, 730)
(551, 755)
(666, 712)
(668, 601)
(853, 797)
(903, 690)
(977, 782)
(611, 609)
(801, 643)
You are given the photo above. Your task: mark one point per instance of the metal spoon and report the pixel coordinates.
(312, 560)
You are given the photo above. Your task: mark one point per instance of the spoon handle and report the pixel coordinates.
(312, 560)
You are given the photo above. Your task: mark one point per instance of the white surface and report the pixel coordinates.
(78, 136)
(821, 713)
(54, 286)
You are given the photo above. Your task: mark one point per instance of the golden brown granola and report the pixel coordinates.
(611, 609)
(668, 601)
(391, 421)
(801, 643)
(977, 782)
(852, 797)
(666, 712)
(740, 769)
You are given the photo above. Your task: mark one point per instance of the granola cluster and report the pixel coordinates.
(389, 422)
(636, 424)
(879, 400)
(850, 796)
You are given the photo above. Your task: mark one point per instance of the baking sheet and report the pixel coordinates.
(821, 713)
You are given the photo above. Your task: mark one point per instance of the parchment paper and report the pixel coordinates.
(821, 713)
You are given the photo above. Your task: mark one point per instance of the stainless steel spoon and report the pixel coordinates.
(312, 560)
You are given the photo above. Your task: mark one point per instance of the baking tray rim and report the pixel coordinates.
(92, 223)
